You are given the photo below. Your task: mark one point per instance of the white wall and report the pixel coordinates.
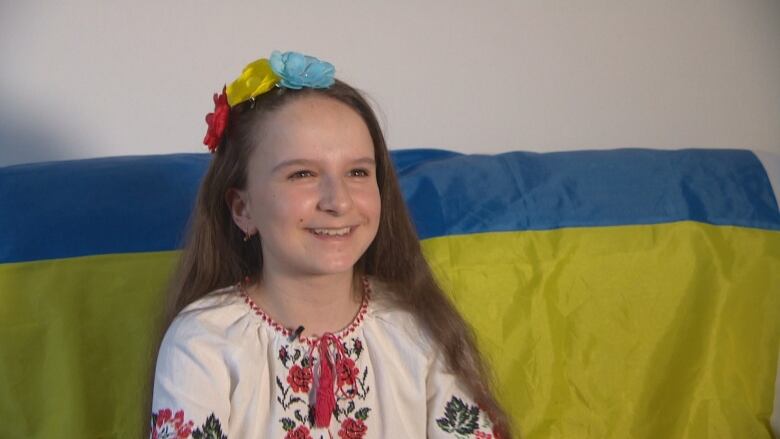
(87, 78)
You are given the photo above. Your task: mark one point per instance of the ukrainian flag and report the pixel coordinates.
(618, 294)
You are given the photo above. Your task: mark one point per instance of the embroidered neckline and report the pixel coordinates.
(310, 341)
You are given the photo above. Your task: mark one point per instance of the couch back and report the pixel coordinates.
(622, 293)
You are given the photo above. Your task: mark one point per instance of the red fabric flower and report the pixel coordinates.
(352, 429)
(167, 424)
(346, 372)
(217, 121)
(299, 378)
(301, 432)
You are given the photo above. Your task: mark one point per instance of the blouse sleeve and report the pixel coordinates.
(451, 411)
(191, 385)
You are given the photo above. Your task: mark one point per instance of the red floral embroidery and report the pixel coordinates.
(300, 410)
(299, 378)
(483, 435)
(217, 121)
(346, 372)
(167, 425)
(352, 429)
(301, 432)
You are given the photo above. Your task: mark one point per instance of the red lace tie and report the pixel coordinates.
(326, 397)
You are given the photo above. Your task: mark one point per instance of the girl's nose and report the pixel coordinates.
(334, 196)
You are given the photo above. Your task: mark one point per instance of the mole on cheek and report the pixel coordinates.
(300, 221)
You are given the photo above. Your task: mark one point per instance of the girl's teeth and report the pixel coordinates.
(331, 232)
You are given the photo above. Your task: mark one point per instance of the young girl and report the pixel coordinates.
(303, 305)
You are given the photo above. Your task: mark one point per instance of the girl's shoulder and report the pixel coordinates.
(219, 314)
(222, 298)
(395, 321)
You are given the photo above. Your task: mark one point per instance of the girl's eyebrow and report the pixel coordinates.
(293, 162)
(365, 161)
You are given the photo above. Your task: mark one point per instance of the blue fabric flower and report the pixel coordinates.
(297, 70)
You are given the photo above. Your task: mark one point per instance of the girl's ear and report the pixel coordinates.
(237, 202)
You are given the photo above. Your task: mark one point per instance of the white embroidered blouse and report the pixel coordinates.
(226, 370)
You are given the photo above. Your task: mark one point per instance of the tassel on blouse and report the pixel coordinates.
(326, 398)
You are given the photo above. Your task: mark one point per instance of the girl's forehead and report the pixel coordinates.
(314, 128)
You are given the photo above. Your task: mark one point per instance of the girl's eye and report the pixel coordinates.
(300, 174)
(358, 173)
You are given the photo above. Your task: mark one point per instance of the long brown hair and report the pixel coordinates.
(216, 256)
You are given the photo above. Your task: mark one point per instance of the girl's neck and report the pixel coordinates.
(318, 303)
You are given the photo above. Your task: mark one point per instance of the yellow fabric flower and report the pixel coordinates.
(256, 79)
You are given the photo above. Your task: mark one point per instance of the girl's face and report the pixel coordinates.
(311, 189)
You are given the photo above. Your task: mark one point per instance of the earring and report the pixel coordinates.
(247, 236)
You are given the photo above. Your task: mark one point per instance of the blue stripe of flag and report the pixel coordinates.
(140, 204)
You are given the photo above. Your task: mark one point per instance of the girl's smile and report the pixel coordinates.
(333, 232)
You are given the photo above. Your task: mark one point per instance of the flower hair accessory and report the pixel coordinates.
(298, 71)
(284, 70)
(217, 121)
